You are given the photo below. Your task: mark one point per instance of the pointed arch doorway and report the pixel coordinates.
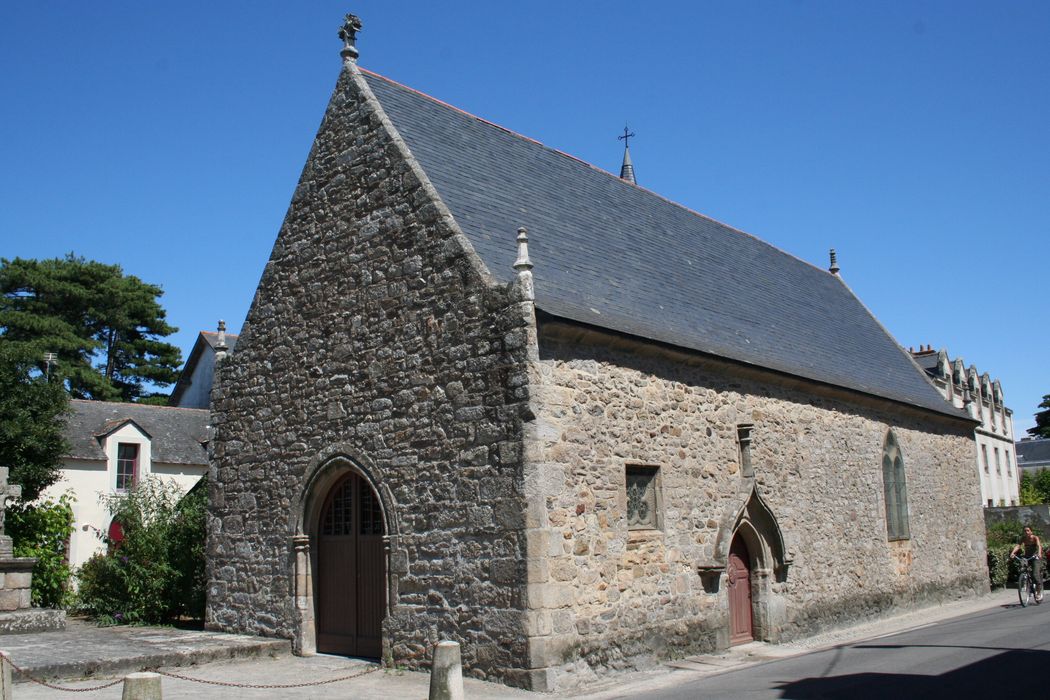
(738, 574)
(351, 575)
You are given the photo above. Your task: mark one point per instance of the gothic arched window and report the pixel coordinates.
(896, 490)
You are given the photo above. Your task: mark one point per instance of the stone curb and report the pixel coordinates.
(113, 667)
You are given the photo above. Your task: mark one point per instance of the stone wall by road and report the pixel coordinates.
(603, 596)
(1036, 515)
(375, 339)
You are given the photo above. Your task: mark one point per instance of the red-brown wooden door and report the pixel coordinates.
(738, 572)
(351, 595)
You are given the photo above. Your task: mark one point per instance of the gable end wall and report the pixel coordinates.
(375, 337)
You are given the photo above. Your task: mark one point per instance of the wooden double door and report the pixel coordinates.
(738, 573)
(351, 571)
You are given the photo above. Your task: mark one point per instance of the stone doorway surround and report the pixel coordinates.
(755, 527)
(327, 469)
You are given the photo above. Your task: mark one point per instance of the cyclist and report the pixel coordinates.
(1033, 550)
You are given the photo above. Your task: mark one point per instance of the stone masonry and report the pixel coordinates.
(604, 596)
(497, 441)
(375, 338)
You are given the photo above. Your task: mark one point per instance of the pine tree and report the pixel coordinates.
(31, 412)
(1042, 420)
(105, 327)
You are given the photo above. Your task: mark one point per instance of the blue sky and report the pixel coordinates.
(910, 136)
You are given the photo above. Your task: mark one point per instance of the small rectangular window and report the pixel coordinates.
(998, 462)
(984, 457)
(127, 465)
(1009, 465)
(641, 498)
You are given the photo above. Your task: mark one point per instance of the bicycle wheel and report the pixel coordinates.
(1024, 589)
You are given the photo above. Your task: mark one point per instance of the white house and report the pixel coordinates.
(193, 390)
(115, 445)
(982, 398)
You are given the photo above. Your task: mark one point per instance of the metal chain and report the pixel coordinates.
(270, 686)
(226, 684)
(285, 686)
(52, 686)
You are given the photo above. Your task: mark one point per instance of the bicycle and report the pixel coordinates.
(1026, 585)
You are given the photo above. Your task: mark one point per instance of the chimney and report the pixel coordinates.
(834, 268)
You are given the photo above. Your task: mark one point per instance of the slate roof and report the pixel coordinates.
(177, 435)
(207, 339)
(1032, 451)
(213, 339)
(614, 255)
(926, 360)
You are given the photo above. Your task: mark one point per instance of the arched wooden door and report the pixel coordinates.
(351, 571)
(738, 572)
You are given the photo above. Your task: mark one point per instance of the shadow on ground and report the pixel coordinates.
(986, 678)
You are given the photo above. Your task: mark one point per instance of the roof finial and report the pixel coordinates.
(348, 33)
(221, 349)
(834, 269)
(627, 169)
(524, 266)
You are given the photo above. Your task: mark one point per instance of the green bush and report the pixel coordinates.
(42, 531)
(1035, 489)
(156, 574)
(1000, 569)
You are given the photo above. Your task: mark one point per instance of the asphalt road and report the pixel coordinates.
(1001, 652)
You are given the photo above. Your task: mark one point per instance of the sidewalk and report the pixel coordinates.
(275, 666)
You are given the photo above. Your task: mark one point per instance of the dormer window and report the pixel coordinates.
(127, 465)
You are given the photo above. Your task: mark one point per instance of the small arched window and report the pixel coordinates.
(896, 489)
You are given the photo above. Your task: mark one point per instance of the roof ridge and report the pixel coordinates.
(137, 405)
(590, 165)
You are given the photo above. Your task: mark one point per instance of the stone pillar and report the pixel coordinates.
(304, 597)
(5, 677)
(446, 673)
(141, 686)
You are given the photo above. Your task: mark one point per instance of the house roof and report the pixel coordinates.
(614, 255)
(177, 435)
(1032, 451)
(206, 342)
(926, 360)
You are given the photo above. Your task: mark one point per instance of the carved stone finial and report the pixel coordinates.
(523, 262)
(524, 265)
(221, 349)
(348, 33)
(834, 268)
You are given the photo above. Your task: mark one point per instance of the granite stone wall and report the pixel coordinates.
(602, 596)
(377, 342)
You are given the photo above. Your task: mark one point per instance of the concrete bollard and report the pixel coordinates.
(446, 673)
(141, 686)
(5, 677)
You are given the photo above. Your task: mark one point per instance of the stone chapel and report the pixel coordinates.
(490, 393)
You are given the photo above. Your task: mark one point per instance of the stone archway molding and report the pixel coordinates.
(758, 526)
(326, 468)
